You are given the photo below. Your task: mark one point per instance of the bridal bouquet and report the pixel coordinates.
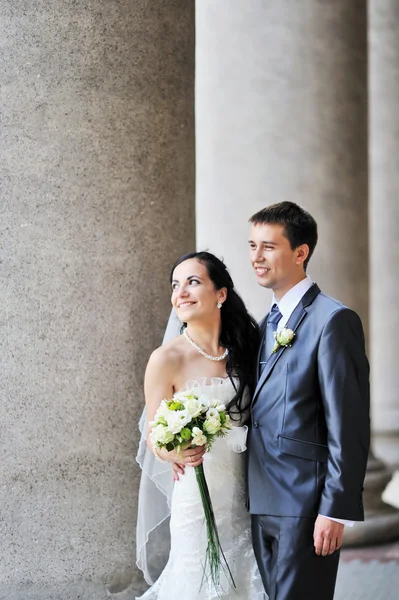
(191, 420)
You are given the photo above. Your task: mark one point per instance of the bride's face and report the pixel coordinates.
(193, 292)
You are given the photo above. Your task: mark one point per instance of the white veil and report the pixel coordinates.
(155, 493)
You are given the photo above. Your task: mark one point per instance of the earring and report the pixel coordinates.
(219, 305)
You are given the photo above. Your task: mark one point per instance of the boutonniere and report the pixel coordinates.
(283, 338)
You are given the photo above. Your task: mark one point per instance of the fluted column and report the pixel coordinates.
(97, 200)
(281, 108)
(384, 228)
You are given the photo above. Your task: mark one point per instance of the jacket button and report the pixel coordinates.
(256, 424)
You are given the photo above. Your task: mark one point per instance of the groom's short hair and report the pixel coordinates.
(299, 225)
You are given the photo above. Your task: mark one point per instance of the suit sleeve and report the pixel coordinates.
(344, 383)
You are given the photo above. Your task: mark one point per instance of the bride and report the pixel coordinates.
(214, 355)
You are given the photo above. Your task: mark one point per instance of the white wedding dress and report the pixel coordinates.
(224, 468)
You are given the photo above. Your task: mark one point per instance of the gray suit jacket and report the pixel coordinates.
(310, 429)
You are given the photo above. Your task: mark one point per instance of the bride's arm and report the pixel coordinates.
(158, 385)
(158, 382)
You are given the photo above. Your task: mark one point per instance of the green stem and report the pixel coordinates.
(215, 559)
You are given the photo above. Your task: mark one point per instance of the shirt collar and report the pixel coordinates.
(291, 299)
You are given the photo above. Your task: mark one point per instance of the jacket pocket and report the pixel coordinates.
(302, 449)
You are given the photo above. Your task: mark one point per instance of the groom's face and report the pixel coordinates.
(273, 260)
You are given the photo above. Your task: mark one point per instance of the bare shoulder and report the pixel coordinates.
(161, 374)
(167, 358)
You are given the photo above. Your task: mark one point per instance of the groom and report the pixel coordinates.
(310, 428)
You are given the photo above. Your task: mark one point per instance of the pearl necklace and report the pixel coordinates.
(201, 351)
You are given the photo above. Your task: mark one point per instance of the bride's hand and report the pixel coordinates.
(191, 457)
(178, 469)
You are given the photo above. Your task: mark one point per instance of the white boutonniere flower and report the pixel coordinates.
(283, 338)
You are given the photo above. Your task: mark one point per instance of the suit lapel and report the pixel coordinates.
(293, 323)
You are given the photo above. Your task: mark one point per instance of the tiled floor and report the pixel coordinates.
(383, 553)
(370, 573)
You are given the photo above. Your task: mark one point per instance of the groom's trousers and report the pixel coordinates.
(289, 567)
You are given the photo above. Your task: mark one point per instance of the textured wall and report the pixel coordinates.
(97, 195)
(384, 224)
(281, 110)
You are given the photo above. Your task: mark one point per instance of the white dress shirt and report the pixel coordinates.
(286, 306)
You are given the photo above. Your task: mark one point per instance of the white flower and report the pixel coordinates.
(212, 413)
(177, 419)
(212, 426)
(204, 402)
(161, 434)
(217, 404)
(227, 424)
(283, 338)
(193, 407)
(184, 395)
(163, 410)
(198, 437)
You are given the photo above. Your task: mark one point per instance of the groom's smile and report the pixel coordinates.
(261, 271)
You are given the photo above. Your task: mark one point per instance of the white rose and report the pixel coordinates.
(227, 425)
(160, 434)
(193, 407)
(177, 419)
(212, 426)
(285, 337)
(198, 437)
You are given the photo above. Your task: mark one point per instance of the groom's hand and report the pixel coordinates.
(327, 535)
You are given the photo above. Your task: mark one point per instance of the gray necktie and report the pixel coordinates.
(268, 337)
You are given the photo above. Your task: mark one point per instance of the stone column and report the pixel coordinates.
(97, 200)
(384, 228)
(281, 110)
